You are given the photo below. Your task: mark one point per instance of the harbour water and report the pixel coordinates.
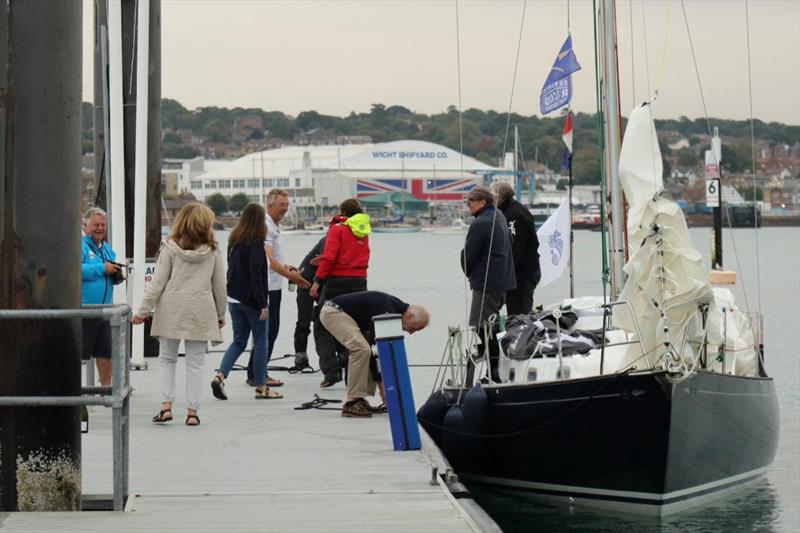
(423, 268)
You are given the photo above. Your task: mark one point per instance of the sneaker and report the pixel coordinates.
(250, 382)
(330, 381)
(300, 360)
(356, 409)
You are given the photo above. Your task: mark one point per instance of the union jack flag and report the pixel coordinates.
(422, 188)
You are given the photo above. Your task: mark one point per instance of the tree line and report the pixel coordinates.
(484, 135)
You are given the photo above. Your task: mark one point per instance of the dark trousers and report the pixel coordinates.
(332, 355)
(520, 300)
(482, 307)
(305, 315)
(272, 333)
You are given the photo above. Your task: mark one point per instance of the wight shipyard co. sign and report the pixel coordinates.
(400, 154)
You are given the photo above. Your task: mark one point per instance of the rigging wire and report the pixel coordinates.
(461, 140)
(708, 126)
(660, 75)
(505, 145)
(514, 78)
(646, 53)
(633, 62)
(134, 41)
(753, 157)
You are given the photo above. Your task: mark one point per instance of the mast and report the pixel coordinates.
(571, 229)
(610, 95)
(517, 166)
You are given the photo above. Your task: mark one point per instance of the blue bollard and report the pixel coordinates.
(396, 381)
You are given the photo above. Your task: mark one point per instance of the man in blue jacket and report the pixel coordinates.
(99, 274)
(486, 260)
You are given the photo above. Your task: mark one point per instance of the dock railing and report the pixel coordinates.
(117, 397)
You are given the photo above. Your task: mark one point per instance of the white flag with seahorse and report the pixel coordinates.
(554, 244)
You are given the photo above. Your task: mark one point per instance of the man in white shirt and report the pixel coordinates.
(277, 207)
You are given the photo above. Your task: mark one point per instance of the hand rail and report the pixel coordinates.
(116, 397)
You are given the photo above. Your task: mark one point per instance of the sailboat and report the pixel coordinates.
(651, 403)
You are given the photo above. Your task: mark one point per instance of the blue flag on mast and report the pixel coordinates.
(557, 90)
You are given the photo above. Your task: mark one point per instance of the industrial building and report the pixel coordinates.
(322, 176)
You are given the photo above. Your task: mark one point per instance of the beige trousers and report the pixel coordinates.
(359, 379)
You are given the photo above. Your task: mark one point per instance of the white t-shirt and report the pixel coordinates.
(274, 240)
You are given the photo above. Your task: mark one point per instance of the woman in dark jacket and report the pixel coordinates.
(247, 300)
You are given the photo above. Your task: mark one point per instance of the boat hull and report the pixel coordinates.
(639, 441)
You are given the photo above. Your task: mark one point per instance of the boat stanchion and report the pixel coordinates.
(397, 381)
(557, 317)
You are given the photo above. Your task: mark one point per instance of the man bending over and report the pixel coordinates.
(347, 317)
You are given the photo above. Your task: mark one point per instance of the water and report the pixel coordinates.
(423, 268)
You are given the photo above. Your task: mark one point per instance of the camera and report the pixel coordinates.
(118, 276)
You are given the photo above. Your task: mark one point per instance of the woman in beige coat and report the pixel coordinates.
(188, 296)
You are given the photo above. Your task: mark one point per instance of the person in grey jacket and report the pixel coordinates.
(486, 260)
(187, 298)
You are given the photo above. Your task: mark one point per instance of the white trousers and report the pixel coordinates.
(195, 366)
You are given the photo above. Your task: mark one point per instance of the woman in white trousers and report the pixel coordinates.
(187, 300)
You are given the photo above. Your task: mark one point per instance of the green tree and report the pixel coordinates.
(238, 202)
(175, 116)
(586, 165)
(178, 151)
(687, 157)
(217, 203)
(747, 193)
(171, 137)
(736, 157)
(217, 130)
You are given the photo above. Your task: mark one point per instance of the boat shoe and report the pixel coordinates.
(358, 408)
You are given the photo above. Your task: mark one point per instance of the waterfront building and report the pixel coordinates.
(324, 175)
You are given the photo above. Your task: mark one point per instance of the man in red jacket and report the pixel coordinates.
(342, 270)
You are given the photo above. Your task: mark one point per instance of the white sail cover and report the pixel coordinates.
(666, 282)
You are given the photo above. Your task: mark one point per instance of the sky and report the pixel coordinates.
(336, 57)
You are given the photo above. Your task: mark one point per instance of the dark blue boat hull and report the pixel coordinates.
(639, 439)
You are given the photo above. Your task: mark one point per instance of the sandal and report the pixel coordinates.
(192, 417)
(218, 388)
(162, 416)
(272, 382)
(268, 394)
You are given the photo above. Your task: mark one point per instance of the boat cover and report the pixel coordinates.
(537, 335)
(666, 282)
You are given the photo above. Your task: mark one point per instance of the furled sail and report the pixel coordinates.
(666, 282)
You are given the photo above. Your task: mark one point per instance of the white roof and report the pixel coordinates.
(280, 161)
(396, 155)
(413, 155)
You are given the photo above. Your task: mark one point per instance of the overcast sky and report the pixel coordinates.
(341, 56)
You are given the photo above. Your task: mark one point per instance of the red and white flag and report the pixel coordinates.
(567, 135)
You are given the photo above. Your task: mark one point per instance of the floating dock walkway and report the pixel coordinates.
(259, 466)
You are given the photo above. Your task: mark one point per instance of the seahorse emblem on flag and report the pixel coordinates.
(556, 246)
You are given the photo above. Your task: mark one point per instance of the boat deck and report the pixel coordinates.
(257, 466)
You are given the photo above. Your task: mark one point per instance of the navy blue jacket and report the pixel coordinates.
(476, 253)
(247, 274)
